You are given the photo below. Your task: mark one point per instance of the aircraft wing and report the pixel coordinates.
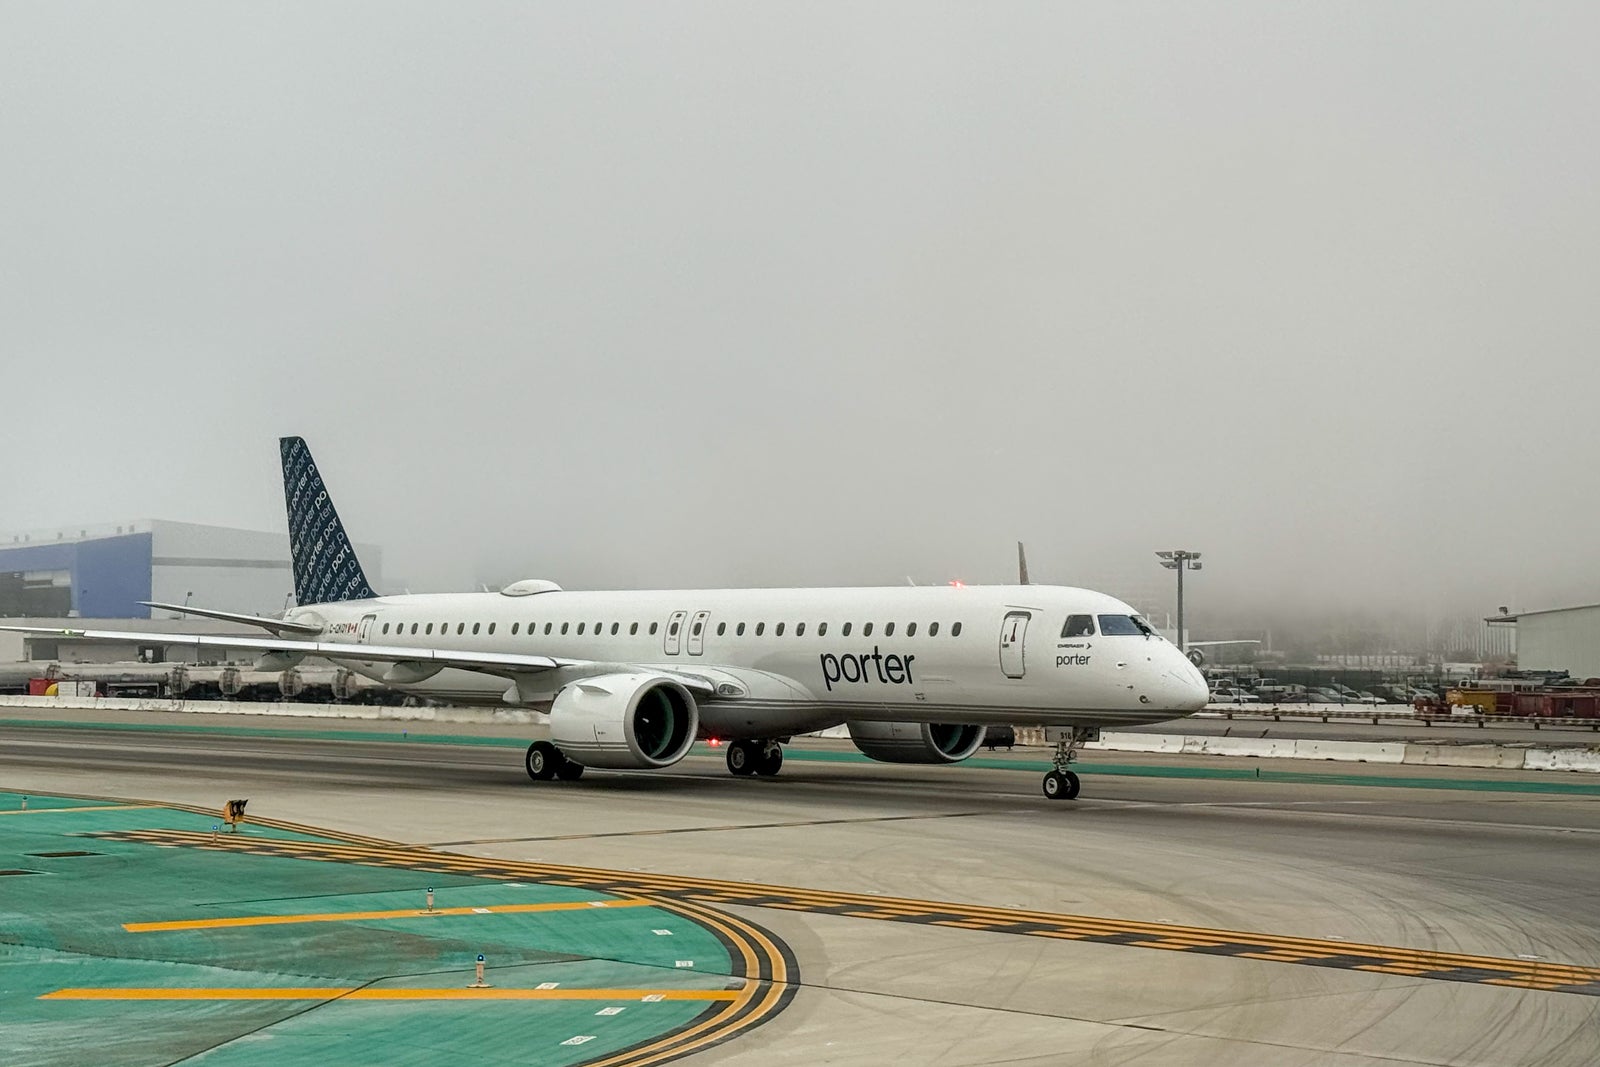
(1211, 644)
(493, 662)
(503, 664)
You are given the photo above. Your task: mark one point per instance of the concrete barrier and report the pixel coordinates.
(1563, 759)
(1126, 742)
(1502, 757)
(1350, 751)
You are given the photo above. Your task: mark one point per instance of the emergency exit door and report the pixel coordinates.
(674, 638)
(1013, 631)
(697, 632)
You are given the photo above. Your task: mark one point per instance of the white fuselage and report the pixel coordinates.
(786, 661)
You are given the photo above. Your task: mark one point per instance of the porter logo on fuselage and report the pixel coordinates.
(848, 667)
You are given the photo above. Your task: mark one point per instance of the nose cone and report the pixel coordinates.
(1184, 686)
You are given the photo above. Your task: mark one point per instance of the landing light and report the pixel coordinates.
(958, 583)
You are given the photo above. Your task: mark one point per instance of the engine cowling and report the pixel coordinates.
(915, 742)
(625, 721)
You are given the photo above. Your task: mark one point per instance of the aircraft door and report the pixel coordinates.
(1013, 631)
(364, 629)
(697, 632)
(674, 636)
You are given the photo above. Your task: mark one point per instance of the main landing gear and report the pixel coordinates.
(1061, 783)
(755, 757)
(545, 761)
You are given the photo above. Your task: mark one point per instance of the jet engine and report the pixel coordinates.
(625, 721)
(915, 742)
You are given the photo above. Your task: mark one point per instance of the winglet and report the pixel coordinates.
(325, 564)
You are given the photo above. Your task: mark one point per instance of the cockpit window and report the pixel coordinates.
(1078, 626)
(1125, 626)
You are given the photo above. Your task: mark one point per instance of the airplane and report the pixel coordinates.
(632, 679)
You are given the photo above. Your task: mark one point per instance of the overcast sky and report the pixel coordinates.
(751, 294)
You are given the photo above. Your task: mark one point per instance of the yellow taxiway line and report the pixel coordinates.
(358, 916)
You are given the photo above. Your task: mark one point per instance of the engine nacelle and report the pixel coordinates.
(625, 721)
(915, 742)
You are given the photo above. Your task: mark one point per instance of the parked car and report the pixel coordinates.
(1226, 695)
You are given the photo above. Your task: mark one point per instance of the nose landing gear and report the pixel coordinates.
(1060, 783)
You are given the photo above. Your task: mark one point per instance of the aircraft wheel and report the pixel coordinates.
(769, 760)
(742, 757)
(569, 770)
(1061, 785)
(542, 760)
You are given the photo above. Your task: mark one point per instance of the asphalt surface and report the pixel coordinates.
(1477, 868)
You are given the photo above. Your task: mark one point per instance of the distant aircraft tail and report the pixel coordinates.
(325, 564)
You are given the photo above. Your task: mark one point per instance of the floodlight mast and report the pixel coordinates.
(1180, 560)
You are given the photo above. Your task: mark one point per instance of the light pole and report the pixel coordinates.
(1180, 560)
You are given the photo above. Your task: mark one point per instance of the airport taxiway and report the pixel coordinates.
(1048, 953)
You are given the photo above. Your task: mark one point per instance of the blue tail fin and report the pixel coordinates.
(325, 564)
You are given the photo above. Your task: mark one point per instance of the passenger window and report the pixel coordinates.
(866, 629)
(615, 627)
(911, 629)
(888, 629)
(846, 630)
(581, 625)
(739, 630)
(822, 629)
(633, 629)
(597, 628)
(695, 629)
(1078, 626)
(385, 627)
(564, 628)
(461, 628)
(491, 627)
(550, 624)
(429, 629)
(761, 628)
(722, 628)
(515, 626)
(413, 627)
(475, 627)
(780, 630)
(933, 629)
(799, 629)
(653, 629)
(672, 630)
(955, 630)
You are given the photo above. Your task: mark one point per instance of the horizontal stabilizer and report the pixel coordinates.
(277, 626)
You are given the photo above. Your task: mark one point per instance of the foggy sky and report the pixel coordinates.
(750, 294)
